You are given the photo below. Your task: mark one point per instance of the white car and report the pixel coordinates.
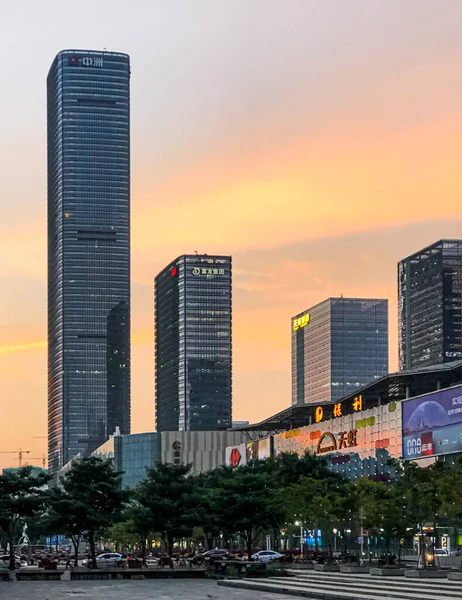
(107, 559)
(267, 556)
(18, 561)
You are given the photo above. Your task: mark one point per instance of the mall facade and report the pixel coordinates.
(412, 415)
(134, 453)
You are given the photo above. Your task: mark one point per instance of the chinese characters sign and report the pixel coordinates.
(300, 322)
(328, 442)
(207, 271)
(85, 61)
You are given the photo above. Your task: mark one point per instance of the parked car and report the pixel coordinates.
(457, 552)
(18, 561)
(108, 559)
(267, 556)
(212, 556)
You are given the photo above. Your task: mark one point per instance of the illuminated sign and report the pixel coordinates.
(332, 443)
(235, 457)
(86, 61)
(432, 424)
(358, 403)
(318, 414)
(207, 271)
(300, 322)
(328, 443)
(337, 410)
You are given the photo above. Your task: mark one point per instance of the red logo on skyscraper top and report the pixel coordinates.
(174, 271)
(73, 61)
(235, 457)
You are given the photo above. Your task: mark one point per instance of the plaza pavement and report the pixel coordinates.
(153, 589)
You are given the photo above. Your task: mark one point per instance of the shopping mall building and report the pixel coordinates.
(410, 414)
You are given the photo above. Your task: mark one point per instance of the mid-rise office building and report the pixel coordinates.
(193, 344)
(430, 305)
(338, 346)
(88, 96)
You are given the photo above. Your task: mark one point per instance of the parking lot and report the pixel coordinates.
(128, 590)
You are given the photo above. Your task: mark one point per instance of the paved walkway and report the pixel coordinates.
(188, 589)
(338, 586)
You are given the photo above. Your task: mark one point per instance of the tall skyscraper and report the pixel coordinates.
(88, 97)
(193, 344)
(338, 346)
(430, 305)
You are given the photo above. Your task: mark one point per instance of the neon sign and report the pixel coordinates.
(300, 322)
(328, 443)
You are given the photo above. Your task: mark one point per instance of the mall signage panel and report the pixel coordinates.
(432, 424)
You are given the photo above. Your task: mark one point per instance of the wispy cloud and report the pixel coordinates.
(22, 347)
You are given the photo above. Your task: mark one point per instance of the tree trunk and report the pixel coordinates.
(75, 539)
(91, 539)
(209, 540)
(248, 540)
(170, 549)
(143, 550)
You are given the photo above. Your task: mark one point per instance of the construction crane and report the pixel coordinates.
(43, 458)
(19, 452)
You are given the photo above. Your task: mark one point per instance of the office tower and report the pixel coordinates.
(338, 346)
(430, 306)
(88, 98)
(193, 344)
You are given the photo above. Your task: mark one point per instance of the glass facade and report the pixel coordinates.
(338, 346)
(139, 451)
(193, 349)
(430, 305)
(88, 99)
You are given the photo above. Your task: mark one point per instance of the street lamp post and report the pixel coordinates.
(335, 531)
(301, 536)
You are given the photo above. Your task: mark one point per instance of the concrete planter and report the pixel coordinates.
(354, 569)
(455, 575)
(425, 574)
(299, 566)
(42, 575)
(327, 568)
(387, 572)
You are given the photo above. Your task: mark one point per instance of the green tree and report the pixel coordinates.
(381, 511)
(91, 499)
(420, 494)
(247, 505)
(122, 535)
(22, 494)
(318, 503)
(172, 505)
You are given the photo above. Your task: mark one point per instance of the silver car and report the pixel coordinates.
(107, 559)
(18, 561)
(267, 556)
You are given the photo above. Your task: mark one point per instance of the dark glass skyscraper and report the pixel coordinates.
(430, 305)
(193, 344)
(338, 346)
(88, 251)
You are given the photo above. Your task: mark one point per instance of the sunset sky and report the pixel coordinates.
(317, 141)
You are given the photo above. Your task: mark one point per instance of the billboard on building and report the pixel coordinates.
(235, 456)
(432, 424)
